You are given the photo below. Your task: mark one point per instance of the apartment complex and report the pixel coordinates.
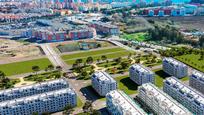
(160, 102)
(103, 83)
(119, 103)
(46, 102)
(105, 28)
(174, 67)
(29, 90)
(140, 74)
(185, 95)
(197, 81)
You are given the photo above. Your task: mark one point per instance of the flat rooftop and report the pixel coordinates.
(126, 103)
(174, 61)
(35, 86)
(39, 97)
(165, 100)
(186, 90)
(141, 68)
(103, 77)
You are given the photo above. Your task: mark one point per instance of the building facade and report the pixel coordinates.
(46, 102)
(119, 103)
(140, 74)
(105, 28)
(160, 102)
(81, 34)
(103, 83)
(19, 92)
(197, 81)
(185, 95)
(175, 68)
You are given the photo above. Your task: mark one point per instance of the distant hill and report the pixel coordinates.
(197, 1)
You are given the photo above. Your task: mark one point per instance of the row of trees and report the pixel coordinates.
(171, 34)
(182, 51)
(87, 108)
(5, 82)
(36, 68)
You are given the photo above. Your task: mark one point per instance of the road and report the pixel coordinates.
(54, 57)
(77, 85)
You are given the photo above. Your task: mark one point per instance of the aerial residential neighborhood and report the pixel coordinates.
(101, 57)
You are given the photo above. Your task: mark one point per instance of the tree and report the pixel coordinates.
(103, 57)
(36, 69)
(57, 76)
(84, 73)
(50, 67)
(59, 68)
(89, 60)
(2, 75)
(87, 108)
(68, 109)
(124, 65)
(79, 62)
(95, 112)
(130, 55)
(118, 60)
(98, 60)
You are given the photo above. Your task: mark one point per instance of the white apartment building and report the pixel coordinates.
(160, 102)
(119, 103)
(174, 67)
(188, 97)
(103, 83)
(197, 81)
(46, 102)
(140, 74)
(34, 89)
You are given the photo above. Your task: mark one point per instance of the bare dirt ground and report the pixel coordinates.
(11, 50)
(188, 22)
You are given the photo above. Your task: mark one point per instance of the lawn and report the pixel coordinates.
(135, 36)
(109, 53)
(88, 53)
(79, 102)
(192, 60)
(24, 66)
(44, 76)
(126, 85)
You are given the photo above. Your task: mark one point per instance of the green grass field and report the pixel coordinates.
(109, 53)
(192, 60)
(136, 36)
(24, 66)
(79, 102)
(127, 85)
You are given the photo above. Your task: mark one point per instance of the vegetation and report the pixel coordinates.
(95, 55)
(44, 76)
(192, 57)
(68, 109)
(127, 85)
(5, 82)
(24, 66)
(88, 109)
(141, 36)
(168, 33)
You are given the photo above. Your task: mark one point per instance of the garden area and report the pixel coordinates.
(24, 66)
(192, 60)
(140, 37)
(119, 65)
(189, 56)
(109, 53)
(81, 45)
(43, 76)
(6, 83)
